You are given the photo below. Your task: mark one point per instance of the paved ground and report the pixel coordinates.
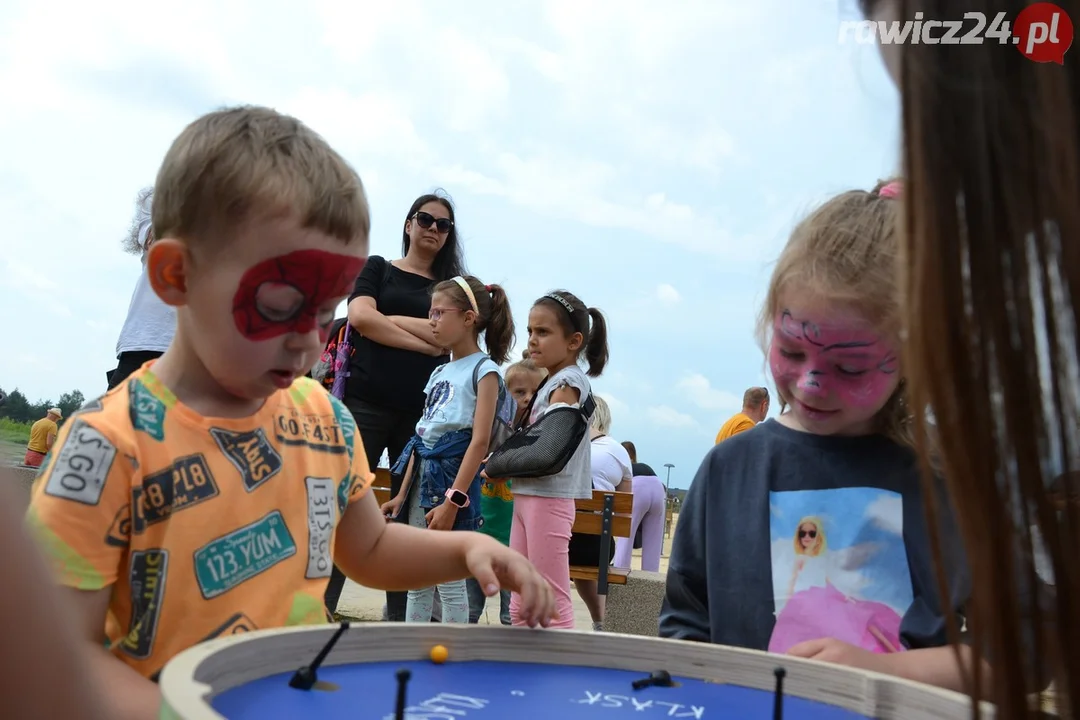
(361, 603)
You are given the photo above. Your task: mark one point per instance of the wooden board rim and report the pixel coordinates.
(193, 677)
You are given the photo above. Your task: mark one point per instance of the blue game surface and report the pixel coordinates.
(505, 691)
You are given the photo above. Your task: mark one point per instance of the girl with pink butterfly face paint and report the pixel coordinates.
(830, 325)
(831, 367)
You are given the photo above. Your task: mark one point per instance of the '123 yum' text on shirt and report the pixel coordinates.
(202, 526)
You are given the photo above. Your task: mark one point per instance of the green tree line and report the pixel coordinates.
(18, 408)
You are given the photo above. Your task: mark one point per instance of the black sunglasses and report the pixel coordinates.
(808, 533)
(426, 220)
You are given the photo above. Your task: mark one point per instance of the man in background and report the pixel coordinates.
(42, 437)
(755, 407)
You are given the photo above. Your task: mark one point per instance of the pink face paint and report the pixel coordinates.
(285, 294)
(834, 363)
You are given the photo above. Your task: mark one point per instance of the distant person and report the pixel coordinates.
(755, 407)
(647, 518)
(42, 437)
(150, 323)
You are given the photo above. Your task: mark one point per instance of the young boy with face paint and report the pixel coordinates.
(806, 534)
(212, 491)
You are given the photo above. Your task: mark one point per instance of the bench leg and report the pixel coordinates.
(605, 545)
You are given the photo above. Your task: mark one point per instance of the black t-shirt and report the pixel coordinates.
(387, 376)
(641, 469)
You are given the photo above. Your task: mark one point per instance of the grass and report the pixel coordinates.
(14, 431)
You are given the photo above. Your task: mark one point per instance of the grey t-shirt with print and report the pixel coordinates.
(575, 480)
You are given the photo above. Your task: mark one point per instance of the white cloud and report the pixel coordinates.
(572, 188)
(887, 513)
(619, 409)
(698, 390)
(373, 123)
(667, 294)
(666, 416)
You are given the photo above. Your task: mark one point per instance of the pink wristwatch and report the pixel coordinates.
(458, 498)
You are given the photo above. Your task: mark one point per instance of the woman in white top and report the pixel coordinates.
(611, 470)
(150, 323)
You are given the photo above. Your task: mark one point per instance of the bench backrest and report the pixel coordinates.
(589, 518)
(587, 521)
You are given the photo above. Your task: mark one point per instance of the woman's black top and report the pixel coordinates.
(382, 375)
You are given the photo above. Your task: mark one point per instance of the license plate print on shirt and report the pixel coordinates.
(82, 466)
(321, 513)
(222, 564)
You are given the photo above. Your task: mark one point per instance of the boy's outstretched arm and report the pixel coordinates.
(394, 556)
(129, 695)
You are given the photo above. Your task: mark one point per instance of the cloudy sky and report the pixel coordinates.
(650, 157)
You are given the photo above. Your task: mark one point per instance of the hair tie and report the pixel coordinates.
(488, 288)
(468, 292)
(891, 190)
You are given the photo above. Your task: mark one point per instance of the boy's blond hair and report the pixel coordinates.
(232, 163)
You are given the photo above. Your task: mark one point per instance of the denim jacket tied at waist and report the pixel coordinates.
(438, 467)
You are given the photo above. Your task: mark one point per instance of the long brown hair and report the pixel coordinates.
(991, 269)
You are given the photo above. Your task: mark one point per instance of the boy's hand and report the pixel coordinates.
(497, 567)
(442, 517)
(840, 653)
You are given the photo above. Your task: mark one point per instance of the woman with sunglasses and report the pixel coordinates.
(394, 352)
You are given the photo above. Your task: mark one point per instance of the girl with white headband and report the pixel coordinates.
(466, 399)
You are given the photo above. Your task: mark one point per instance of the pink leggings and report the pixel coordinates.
(541, 532)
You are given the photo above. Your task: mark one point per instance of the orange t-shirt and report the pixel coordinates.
(201, 526)
(737, 424)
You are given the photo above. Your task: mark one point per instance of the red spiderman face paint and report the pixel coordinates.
(286, 294)
(834, 371)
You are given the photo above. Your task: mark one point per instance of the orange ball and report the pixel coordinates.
(439, 654)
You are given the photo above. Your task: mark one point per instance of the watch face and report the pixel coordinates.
(458, 498)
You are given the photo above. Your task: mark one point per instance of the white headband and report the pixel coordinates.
(468, 293)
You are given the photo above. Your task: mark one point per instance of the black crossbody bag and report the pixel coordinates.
(545, 447)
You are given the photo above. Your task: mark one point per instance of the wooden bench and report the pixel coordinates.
(606, 514)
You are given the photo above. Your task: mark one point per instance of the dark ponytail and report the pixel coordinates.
(499, 330)
(596, 349)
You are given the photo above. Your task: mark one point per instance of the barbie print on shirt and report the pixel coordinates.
(840, 567)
